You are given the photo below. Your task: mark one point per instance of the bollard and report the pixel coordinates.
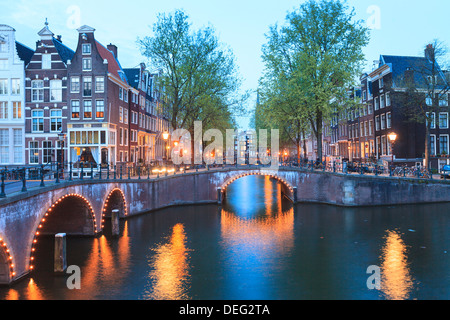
(219, 195)
(24, 180)
(42, 176)
(115, 222)
(60, 263)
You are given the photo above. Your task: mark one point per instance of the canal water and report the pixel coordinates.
(257, 246)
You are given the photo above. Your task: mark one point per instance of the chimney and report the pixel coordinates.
(429, 52)
(58, 37)
(113, 49)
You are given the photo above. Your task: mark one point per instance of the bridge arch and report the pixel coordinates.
(287, 190)
(115, 200)
(7, 272)
(72, 214)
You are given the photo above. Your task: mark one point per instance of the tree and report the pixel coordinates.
(321, 50)
(198, 78)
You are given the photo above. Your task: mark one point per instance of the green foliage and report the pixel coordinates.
(310, 64)
(198, 75)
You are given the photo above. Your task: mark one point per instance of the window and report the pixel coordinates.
(87, 64)
(443, 144)
(381, 83)
(3, 86)
(18, 150)
(433, 144)
(4, 146)
(125, 95)
(75, 106)
(125, 137)
(382, 101)
(17, 110)
(3, 43)
(388, 99)
(87, 86)
(377, 123)
(37, 120)
(3, 110)
(100, 109)
(87, 108)
(120, 114)
(120, 93)
(33, 152)
(46, 61)
(383, 121)
(55, 120)
(75, 84)
(428, 100)
(55, 90)
(125, 116)
(443, 100)
(99, 84)
(47, 151)
(86, 48)
(377, 103)
(121, 136)
(431, 118)
(15, 86)
(37, 90)
(443, 120)
(383, 145)
(388, 120)
(370, 127)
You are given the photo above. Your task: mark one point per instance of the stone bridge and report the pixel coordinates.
(80, 207)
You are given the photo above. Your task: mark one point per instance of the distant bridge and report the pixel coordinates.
(79, 207)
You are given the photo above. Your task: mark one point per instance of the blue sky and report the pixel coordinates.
(399, 27)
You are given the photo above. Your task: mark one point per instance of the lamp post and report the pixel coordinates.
(392, 137)
(61, 138)
(165, 136)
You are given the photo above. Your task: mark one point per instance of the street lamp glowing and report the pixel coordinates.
(392, 136)
(165, 135)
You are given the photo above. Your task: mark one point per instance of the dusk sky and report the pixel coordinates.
(398, 27)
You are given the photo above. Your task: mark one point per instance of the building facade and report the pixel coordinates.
(14, 56)
(46, 110)
(98, 125)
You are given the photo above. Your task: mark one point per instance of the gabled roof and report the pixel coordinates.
(133, 76)
(64, 52)
(25, 54)
(399, 64)
(114, 66)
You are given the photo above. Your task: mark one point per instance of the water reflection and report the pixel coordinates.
(256, 235)
(396, 281)
(170, 268)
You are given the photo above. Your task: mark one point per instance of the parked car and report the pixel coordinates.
(445, 172)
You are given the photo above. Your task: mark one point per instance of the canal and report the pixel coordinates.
(257, 246)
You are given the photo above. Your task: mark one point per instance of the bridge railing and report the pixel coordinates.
(21, 179)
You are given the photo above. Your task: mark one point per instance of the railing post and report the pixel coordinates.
(121, 172)
(148, 172)
(70, 171)
(2, 193)
(128, 171)
(139, 172)
(57, 173)
(115, 170)
(82, 171)
(24, 181)
(92, 170)
(100, 171)
(107, 171)
(42, 176)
